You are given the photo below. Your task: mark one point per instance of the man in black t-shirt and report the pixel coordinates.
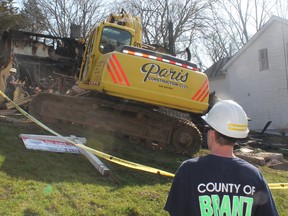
(221, 184)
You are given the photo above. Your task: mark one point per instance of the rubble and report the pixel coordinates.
(44, 63)
(259, 152)
(280, 166)
(259, 158)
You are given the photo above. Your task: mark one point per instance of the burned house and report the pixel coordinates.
(43, 62)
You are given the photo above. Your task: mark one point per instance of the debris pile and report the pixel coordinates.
(261, 153)
(44, 63)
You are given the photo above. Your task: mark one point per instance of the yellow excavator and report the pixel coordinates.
(149, 96)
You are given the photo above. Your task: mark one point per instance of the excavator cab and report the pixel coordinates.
(112, 38)
(116, 31)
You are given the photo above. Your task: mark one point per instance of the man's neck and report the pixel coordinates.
(223, 151)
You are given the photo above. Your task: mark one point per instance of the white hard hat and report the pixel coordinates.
(13, 70)
(228, 118)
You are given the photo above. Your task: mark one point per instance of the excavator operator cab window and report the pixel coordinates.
(112, 38)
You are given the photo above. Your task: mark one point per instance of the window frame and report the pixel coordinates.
(263, 59)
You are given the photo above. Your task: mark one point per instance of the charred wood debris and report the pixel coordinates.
(43, 62)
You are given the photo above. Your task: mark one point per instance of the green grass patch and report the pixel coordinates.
(46, 183)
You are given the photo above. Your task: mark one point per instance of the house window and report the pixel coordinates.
(263, 59)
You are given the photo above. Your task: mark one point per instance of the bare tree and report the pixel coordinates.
(231, 24)
(8, 15)
(212, 29)
(186, 16)
(281, 8)
(33, 20)
(60, 14)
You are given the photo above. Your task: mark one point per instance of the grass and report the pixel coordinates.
(46, 183)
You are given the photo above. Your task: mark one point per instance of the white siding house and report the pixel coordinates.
(257, 77)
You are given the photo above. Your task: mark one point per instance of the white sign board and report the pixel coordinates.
(51, 143)
(57, 144)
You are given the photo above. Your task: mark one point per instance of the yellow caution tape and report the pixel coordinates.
(278, 185)
(96, 152)
(112, 158)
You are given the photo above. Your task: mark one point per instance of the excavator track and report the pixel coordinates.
(140, 123)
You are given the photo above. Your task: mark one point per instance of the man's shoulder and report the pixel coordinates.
(212, 159)
(196, 161)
